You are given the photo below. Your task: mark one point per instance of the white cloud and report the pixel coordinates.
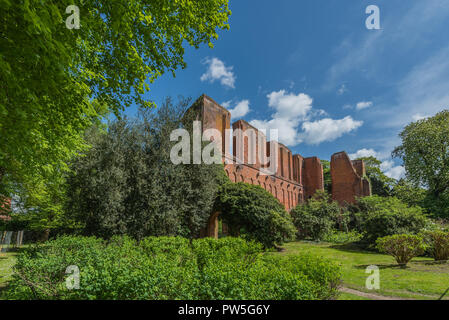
(418, 116)
(218, 71)
(287, 129)
(328, 129)
(289, 105)
(240, 110)
(292, 119)
(342, 89)
(387, 166)
(392, 171)
(397, 172)
(363, 105)
(362, 153)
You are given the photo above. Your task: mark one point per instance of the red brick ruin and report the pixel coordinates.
(297, 178)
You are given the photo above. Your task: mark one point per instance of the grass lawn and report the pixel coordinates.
(7, 260)
(422, 279)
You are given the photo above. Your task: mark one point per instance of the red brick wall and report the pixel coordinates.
(244, 126)
(348, 181)
(359, 167)
(289, 193)
(298, 163)
(297, 178)
(312, 176)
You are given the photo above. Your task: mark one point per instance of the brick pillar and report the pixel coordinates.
(313, 179)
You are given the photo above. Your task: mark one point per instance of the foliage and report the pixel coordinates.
(316, 218)
(403, 247)
(327, 176)
(254, 212)
(169, 268)
(377, 217)
(55, 80)
(438, 243)
(127, 184)
(343, 237)
(437, 207)
(425, 154)
(380, 183)
(409, 194)
(318, 269)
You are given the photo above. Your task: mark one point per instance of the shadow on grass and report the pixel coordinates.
(432, 263)
(353, 247)
(384, 266)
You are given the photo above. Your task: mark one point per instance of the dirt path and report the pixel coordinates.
(370, 295)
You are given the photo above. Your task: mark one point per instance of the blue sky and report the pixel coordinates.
(313, 70)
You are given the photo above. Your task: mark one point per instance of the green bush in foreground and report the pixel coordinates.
(169, 268)
(403, 247)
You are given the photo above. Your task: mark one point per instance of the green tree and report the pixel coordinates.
(55, 80)
(327, 176)
(377, 217)
(127, 184)
(253, 212)
(380, 183)
(406, 192)
(425, 153)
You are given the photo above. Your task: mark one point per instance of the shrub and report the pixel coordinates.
(438, 243)
(254, 212)
(326, 275)
(169, 268)
(235, 269)
(343, 237)
(378, 217)
(119, 269)
(317, 218)
(403, 247)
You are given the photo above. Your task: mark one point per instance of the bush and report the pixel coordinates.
(254, 213)
(403, 247)
(326, 275)
(119, 269)
(438, 243)
(378, 217)
(343, 237)
(169, 268)
(317, 218)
